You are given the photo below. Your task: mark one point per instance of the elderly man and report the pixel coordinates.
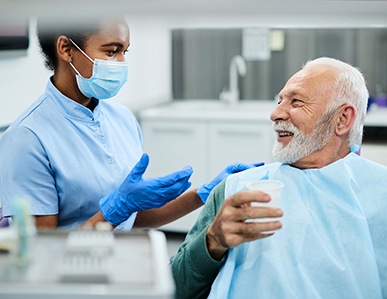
(330, 239)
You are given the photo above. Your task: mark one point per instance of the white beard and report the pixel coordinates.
(303, 145)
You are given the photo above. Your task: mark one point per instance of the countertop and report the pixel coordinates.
(246, 110)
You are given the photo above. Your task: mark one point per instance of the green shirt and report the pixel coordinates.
(194, 270)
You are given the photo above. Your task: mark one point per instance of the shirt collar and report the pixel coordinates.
(71, 107)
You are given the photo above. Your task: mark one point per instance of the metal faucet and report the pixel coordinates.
(237, 66)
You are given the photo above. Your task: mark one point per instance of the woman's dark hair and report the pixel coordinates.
(48, 32)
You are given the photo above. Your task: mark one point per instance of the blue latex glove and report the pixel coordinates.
(137, 194)
(205, 189)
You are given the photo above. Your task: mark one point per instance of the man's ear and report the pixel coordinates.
(64, 48)
(345, 119)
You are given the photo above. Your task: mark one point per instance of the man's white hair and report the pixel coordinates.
(350, 88)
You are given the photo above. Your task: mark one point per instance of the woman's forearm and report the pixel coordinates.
(181, 206)
(93, 220)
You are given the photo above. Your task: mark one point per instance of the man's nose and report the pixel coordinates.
(280, 113)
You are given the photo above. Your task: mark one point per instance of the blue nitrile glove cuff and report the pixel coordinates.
(205, 189)
(111, 212)
(136, 194)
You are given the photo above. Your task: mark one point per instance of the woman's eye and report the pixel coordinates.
(112, 52)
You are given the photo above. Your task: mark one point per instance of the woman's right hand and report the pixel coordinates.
(137, 194)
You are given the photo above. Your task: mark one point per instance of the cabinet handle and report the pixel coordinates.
(238, 133)
(172, 131)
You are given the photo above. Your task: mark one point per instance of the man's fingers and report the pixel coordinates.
(250, 212)
(246, 197)
(241, 213)
(229, 226)
(237, 233)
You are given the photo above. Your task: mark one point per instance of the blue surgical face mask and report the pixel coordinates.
(107, 79)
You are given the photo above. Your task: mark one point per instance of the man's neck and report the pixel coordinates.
(322, 158)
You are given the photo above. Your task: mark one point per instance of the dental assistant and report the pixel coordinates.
(78, 156)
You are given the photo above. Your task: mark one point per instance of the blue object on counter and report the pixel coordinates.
(370, 101)
(381, 100)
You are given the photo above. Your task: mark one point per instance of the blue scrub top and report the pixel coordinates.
(64, 157)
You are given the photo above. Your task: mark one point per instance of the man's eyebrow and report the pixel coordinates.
(295, 93)
(288, 94)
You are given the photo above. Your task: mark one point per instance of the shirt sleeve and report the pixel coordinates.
(26, 174)
(194, 270)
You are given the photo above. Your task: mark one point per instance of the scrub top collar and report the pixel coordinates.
(70, 107)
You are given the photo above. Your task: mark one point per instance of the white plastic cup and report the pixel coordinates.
(271, 187)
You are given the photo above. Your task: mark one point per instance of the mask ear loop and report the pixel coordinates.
(70, 59)
(87, 56)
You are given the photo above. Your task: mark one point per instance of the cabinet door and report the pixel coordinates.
(172, 145)
(239, 142)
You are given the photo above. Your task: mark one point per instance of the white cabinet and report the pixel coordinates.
(245, 142)
(206, 140)
(172, 145)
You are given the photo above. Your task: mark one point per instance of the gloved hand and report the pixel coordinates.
(205, 189)
(137, 194)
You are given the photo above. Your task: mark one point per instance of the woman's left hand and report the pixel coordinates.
(205, 189)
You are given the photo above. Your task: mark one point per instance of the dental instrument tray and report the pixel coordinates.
(88, 264)
(88, 256)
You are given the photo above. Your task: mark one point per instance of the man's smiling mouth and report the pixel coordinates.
(284, 133)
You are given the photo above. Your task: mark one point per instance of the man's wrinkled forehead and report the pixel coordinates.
(295, 85)
(316, 80)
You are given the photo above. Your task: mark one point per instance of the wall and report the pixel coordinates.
(23, 77)
(201, 59)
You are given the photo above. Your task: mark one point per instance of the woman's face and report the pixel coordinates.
(110, 43)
